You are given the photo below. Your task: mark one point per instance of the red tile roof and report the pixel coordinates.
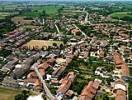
(120, 63)
(117, 58)
(90, 90)
(33, 78)
(34, 81)
(120, 93)
(66, 83)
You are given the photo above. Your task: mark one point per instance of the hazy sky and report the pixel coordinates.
(65, 0)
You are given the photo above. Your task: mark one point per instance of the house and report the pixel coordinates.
(33, 83)
(32, 78)
(36, 97)
(102, 72)
(75, 31)
(58, 71)
(89, 91)
(120, 64)
(10, 82)
(120, 90)
(66, 83)
(25, 66)
(9, 66)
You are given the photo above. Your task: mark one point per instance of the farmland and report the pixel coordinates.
(122, 15)
(5, 14)
(10, 7)
(37, 10)
(21, 20)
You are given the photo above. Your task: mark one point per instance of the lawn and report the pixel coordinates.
(8, 94)
(37, 10)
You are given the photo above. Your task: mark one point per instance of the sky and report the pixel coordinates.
(65, 0)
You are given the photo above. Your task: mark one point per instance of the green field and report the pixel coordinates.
(122, 15)
(8, 94)
(37, 10)
(11, 7)
(5, 14)
(7, 7)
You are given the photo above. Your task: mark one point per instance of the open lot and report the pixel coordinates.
(8, 94)
(41, 43)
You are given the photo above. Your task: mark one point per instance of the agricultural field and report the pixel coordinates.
(8, 94)
(28, 27)
(11, 7)
(21, 20)
(37, 10)
(122, 15)
(5, 14)
(7, 7)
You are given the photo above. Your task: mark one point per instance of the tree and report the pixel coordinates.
(55, 44)
(130, 90)
(42, 14)
(23, 96)
(65, 40)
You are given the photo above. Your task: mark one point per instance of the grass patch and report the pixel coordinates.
(8, 94)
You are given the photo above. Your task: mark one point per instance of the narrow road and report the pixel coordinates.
(57, 29)
(87, 18)
(47, 91)
(80, 30)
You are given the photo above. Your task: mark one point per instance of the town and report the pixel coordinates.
(65, 50)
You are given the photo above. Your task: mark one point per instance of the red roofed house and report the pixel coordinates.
(89, 92)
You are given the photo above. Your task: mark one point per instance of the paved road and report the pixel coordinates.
(47, 91)
(80, 30)
(57, 29)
